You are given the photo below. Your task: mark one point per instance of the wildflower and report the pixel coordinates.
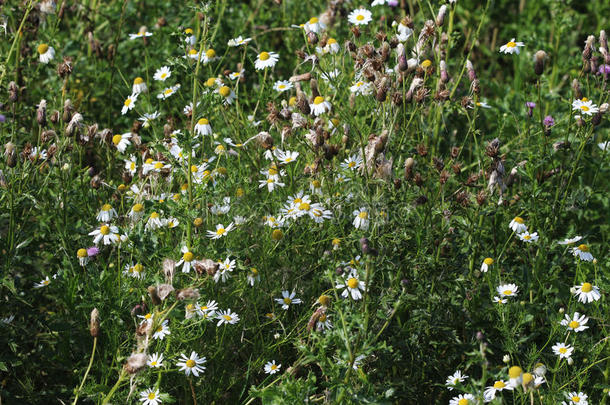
(146, 118)
(562, 350)
(403, 32)
(253, 276)
(141, 34)
(530, 108)
(36, 153)
(515, 374)
(490, 392)
(45, 282)
(282, 85)
(511, 47)
(238, 41)
(208, 310)
(172, 222)
(486, 263)
(577, 398)
(332, 46)
(168, 92)
(129, 103)
(286, 157)
(148, 318)
(221, 209)
(150, 396)
(585, 106)
(138, 86)
(352, 286)
(136, 212)
(319, 106)
(587, 292)
(454, 379)
(507, 290)
(528, 237)
(272, 182)
(154, 222)
(265, 60)
(135, 271)
(121, 141)
(46, 53)
(463, 399)
(227, 317)
(155, 360)
(185, 261)
(352, 163)
(131, 165)
(287, 299)
(236, 75)
(582, 251)
(106, 233)
(577, 323)
(569, 241)
(272, 368)
(192, 364)
(203, 127)
(162, 330)
(362, 88)
(224, 270)
(106, 213)
(518, 225)
(220, 231)
(83, 257)
(162, 73)
(603, 145)
(499, 300)
(360, 16)
(361, 219)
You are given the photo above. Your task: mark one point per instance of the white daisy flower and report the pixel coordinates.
(288, 299)
(162, 74)
(122, 141)
(282, 85)
(106, 213)
(238, 41)
(528, 237)
(511, 47)
(286, 157)
(499, 300)
(186, 260)
(320, 106)
(150, 396)
(490, 392)
(155, 360)
(351, 285)
(569, 241)
(332, 46)
(168, 92)
(403, 32)
(253, 276)
(236, 75)
(154, 222)
(577, 398)
(463, 399)
(227, 95)
(454, 379)
(220, 231)
(266, 60)
(227, 317)
(507, 290)
(130, 103)
(585, 106)
(562, 350)
(139, 86)
(272, 368)
(192, 364)
(272, 182)
(486, 263)
(162, 331)
(208, 310)
(45, 282)
(108, 234)
(577, 323)
(146, 118)
(361, 219)
(360, 16)
(352, 163)
(518, 225)
(362, 88)
(314, 25)
(141, 34)
(587, 292)
(582, 251)
(46, 53)
(203, 127)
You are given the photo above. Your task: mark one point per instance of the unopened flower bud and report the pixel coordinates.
(41, 113)
(539, 60)
(94, 323)
(440, 17)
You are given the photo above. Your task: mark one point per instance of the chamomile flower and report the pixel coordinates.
(528, 237)
(486, 263)
(228, 95)
(106, 213)
(515, 376)
(162, 331)
(518, 225)
(224, 270)
(168, 92)
(507, 290)
(83, 257)
(46, 53)
(129, 103)
(352, 163)
(154, 222)
(147, 318)
(562, 350)
(288, 299)
(403, 32)
(220, 231)
(140, 34)
(139, 86)
(253, 276)
(454, 379)
(238, 41)
(203, 127)
(186, 260)
(266, 60)
(45, 282)
(38, 153)
(208, 310)
(319, 106)
(146, 118)
(577, 398)
(500, 300)
(190, 38)
(577, 322)
(236, 75)
(272, 368)
(227, 317)
(121, 142)
(587, 292)
(162, 74)
(490, 392)
(134, 270)
(361, 219)
(150, 396)
(314, 25)
(463, 399)
(511, 47)
(362, 88)
(221, 209)
(360, 16)
(582, 251)
(271, 183)
(569, 241)
(323, 323)
(155, 360)
(585, 106)
(136, 212)
(192, 364)
(332, 46)
(352, 286)
(286, 157)
(107, 234)
(282, 85)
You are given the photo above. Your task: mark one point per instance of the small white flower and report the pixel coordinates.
(203, 127)
(585, 106)
(287, 299)
(186, 260)
(106, 213)
(282, 85)
(582, 251)
(272, 368)
(511, 47)
(360, 16)
(361, 219)
(562, 350)
(577, 323)
(587, 292)
(518, 225)
(162, 73)
(162, 331)
(320, 106)
(238, 41)
(129, 103)
(192, 364)
(155, 360)
(46, 53)
(150, 396)
(454, 379)
(352, 286)
(528, 237)
(220, 231)
(168, 92)
(570, 241)
(227, 317)
(265, 60)
(507, 290)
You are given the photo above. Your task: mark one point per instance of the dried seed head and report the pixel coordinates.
(472, 75)
(164, 290)
(154, 296)
(55, 117)
(312, 38)
(440, 17)
(539, 60)
(187, 294)
(64, 69)
(13, 92)
(94, 323)
(265, 140)
(315, 317)
(68, 110)
(207, 266)
(492, 148)
(576, 89)
(135, 362)
(47, 135)
(481, 197)
(41, 113)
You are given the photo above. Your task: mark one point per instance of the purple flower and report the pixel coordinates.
(604, 70)
(530, 108)
(548, 121)
(2, 118)
(92, 251)
(392, 3)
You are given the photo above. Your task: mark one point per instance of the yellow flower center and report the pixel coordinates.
(148, 316)
(277, 234)
(583, 248)
(527, 237)
(188, 31)
(322, 318)
(227, 317)
(463, 401)
(331, 41)
(154, 215)
(224, 91)
(203, 121)
(586, 287)
(499, 385)
(138, 80)
(316, 183)
(511, 44)
(273, 367)
(287, 301)
(153, 363)
(158, 165)
(575, 399)
(363, 215)
(313, 20)
(563, 350)
(264, 56)
(527, 378)
(81, 253)
(152, 395)
(254, 271)
(304, 206)
(137, 268)
(105, 230)
(116, 139)
(584, 108)
(515, 372)
(507, 292)
(106, 207)
(220, 231)
(190, 363)
(148, 161)
(360, 17)
(169, 91)
(210, 82)
(193, 52)
(281, 86)
(137, 208)
(336, 241)
(518, 220)
(132, 166)
(352, 282)
(318, 100)
(210, 53)
(488, 261)
(43, 48)
(426, 64)
(163, 75)
(574, 324)
(292, 101)
(187, 256)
